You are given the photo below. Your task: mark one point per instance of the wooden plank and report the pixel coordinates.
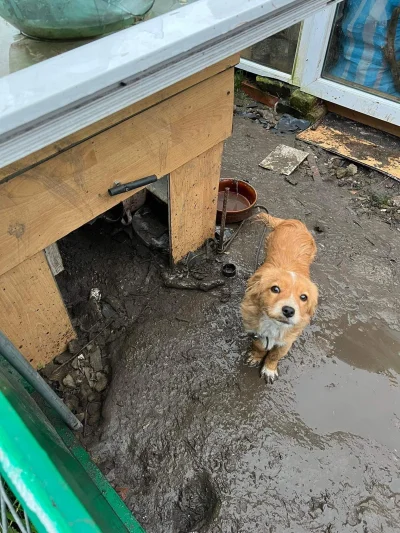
(108, 122)
(49, 201)
(193, 194)
(32, 313)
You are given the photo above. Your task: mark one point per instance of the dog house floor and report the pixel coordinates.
(191, 437)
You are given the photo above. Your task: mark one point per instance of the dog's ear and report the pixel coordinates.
(253, 282)
(312, 299)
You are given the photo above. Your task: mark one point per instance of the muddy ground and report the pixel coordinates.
(191, 437)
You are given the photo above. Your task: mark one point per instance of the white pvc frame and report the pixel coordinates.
(48, 101)
(307, 73)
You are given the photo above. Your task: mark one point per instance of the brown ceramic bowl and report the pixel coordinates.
(237, 211)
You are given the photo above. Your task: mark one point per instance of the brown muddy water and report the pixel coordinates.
(358, 393)
(198, 441)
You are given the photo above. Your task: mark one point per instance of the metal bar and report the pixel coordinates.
(193, 38)
(10, 506)
(3, 511)
(27, 523)
(223, 221)
(17, 361)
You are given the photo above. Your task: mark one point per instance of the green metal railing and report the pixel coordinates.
(48, 478)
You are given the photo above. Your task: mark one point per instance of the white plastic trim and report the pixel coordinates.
(311, 53)
(46, 102)
(355, 99)
(261, 70)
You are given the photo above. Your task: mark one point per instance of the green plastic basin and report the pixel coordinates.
(72, 19)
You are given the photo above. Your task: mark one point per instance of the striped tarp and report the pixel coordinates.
(362, 40)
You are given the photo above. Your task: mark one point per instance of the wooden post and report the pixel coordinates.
(193, 194)
(32, 313)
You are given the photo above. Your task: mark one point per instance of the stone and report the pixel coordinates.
(341, 173)
(72, 402)
(95, 360)
(352, 170)
(274, 87)
(94, 407)
(94, 419)
(93, 396)
(101, 382)
(396, 201)
(317, 112)
(302, 101)
(80, 416)
(73, 346)
(63, 357)
(69, 382)
(75, 364)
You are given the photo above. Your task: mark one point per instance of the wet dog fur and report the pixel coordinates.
(280, 298)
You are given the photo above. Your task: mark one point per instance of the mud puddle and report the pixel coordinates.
(356, 391)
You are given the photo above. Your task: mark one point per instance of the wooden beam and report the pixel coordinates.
(54, 198)
(193, 194)
(112, 120)
(32, 313)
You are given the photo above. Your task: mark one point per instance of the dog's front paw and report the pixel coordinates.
(254, 359)
(269, 375)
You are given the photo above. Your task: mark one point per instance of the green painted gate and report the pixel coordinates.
(46, 474)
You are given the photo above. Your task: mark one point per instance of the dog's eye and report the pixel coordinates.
(303, 297)
(275, 289)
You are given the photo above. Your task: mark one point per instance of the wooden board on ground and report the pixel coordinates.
(32, 313)
(49, 201)
(359, 143)
(193, 193)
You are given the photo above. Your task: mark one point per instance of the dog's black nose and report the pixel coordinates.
(287, 311)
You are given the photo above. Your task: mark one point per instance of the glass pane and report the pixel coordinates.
(78, 24)
(364, 48)
(277, 51)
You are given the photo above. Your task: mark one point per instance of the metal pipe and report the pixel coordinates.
(19, 363)
(223, 221)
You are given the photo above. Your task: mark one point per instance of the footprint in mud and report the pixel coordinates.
(198, 503)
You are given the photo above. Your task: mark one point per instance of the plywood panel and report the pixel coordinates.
(49, 201)
(32, 313)
(112, 120)
(359, 143)
(193, 194)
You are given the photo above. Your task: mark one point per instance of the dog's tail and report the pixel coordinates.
(269, 220)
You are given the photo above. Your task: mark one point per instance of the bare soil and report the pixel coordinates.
(190, 436)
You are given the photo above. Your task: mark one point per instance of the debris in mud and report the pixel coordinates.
(178, 282)
(396, 201)
(150, 230)
(291, 181)
(314, 168)
(266, 117)
(229, 270)
(284, 159)
(289, 124)
(342, 172)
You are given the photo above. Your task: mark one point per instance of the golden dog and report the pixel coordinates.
(280, 298)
